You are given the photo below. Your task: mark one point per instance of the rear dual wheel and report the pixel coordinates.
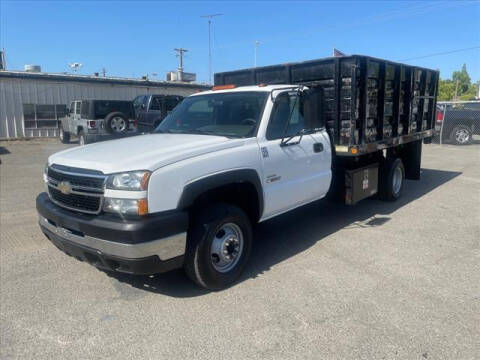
(392, 178)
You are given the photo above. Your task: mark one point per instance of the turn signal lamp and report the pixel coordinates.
(142, 207)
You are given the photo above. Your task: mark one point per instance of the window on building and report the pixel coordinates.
(29, 115)
(43, 115)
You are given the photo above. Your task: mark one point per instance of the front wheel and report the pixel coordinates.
(461, 135)
(218, 246)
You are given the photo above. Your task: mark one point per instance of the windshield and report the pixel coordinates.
(225, 114)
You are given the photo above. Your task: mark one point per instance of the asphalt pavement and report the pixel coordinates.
(377, 280)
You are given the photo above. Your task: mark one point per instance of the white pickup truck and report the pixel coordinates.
(189, 194)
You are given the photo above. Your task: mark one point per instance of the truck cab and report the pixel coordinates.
(150, 110)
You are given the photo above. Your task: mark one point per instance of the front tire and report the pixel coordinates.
(461, 135)
(218, 246)
(64, 136)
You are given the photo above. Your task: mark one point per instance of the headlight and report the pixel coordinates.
(126, 206)
(134, 180)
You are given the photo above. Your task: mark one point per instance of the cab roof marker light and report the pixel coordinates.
(223, 87)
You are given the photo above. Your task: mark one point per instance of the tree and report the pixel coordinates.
(446, 90)
(463, 80)
(466, 90)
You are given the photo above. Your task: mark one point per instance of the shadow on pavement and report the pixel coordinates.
(292, 233)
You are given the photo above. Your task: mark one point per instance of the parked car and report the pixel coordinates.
(150, 110)
(188, 194)
(460, 121)
(94, 120)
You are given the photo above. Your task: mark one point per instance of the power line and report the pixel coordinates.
(441, 53)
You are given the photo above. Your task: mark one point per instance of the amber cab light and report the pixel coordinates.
(223, 87)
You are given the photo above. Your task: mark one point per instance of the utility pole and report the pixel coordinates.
(256, 49)
(456, 91)
(180, 52)
(210, 17)
(104, 72)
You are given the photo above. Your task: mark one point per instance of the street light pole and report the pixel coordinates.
(209, 17)
(256, 49)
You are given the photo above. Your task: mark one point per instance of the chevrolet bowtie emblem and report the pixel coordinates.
(65, 187)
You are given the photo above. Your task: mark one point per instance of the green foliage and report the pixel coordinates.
(471, 93)
(446, 90)
(466, 90)
(463, 79)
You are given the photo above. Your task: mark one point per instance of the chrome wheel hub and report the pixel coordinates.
(397, 180)
(118, 124)
(227, 247)
(462, 136)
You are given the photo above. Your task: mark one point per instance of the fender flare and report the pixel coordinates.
(194, 189)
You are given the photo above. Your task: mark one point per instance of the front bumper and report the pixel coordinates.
(147, 245)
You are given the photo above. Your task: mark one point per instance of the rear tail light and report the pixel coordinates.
(92, 124)
(439, 116)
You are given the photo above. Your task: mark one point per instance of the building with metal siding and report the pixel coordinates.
(31, 104)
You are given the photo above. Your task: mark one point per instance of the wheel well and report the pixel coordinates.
(243, 194)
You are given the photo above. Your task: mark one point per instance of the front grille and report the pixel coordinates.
(84, 188)
(84, 203)
(77, 180)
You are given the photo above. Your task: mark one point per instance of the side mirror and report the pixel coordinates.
(312, 108)
(143, 107)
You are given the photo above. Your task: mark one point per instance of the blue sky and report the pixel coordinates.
(133, 38)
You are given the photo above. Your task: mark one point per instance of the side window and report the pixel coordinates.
(71, 109)
(78, 107)
(138, 101)
(287, 105)
(85, 109)
(156, 103)
(170, 103)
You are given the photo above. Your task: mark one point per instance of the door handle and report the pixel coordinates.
(317, 147)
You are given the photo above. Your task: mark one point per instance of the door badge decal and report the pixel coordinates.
(264, 152)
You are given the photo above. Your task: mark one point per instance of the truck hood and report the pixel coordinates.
(143, 152)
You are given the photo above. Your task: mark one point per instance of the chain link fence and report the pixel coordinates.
(457, 122)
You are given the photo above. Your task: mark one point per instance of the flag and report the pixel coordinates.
(338, 53)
